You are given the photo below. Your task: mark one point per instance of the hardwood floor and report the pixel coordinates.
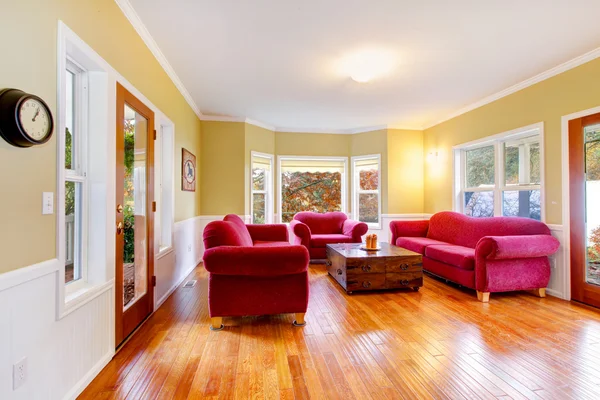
(437, 343)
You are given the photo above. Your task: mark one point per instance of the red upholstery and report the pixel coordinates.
(254, 270)
(488, 254)
(459, 256)
(417, 244)
(315, 231)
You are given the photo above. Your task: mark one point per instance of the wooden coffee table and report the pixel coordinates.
(391, 267)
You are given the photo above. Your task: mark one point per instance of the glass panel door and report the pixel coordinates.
(134, 207)
(592, 199)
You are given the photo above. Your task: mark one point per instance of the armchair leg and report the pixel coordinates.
(541, 292)
(299, 321)
(483, 297)
(216, 324)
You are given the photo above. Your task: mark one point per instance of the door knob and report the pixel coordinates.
(119, 228)
(119, 208)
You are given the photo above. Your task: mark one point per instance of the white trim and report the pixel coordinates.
(489, 140)
(268, 192)
(259, 124)
(89, 376)
(406, 216)
(559, 69)
(169, 292)
(22, 275)
(141, 29)
(566, 206)
(355, 188)
(312, 158)
(84, 295)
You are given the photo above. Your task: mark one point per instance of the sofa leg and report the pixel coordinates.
(483, 297)
(539, 292)
(299, 321)
(216, 324)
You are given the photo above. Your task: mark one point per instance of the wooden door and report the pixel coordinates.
(584, 192)
(134, 210)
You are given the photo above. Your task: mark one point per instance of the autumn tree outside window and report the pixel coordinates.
(311, 184)
(366, 189)
(501, 175)
(261, 188)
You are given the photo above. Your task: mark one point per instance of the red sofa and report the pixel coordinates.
(253, 270)
(314, 231)
(498, 254)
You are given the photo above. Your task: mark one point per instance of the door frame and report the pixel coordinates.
(123, 95)
(566, 198)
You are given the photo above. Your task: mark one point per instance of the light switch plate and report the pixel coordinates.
(19, 373)
(47, 203)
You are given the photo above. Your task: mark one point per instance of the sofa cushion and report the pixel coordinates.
(261, 243)
(458, 256)
(222, 233)
(322, 240)
(417, 244)
(320, 224)
(240, 226)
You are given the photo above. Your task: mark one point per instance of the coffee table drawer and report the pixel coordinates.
(368, 266)
(360, 282)
(395, 280)
(406, 265)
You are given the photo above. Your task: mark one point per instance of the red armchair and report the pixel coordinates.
(314, 231)
(253, 270)
(497, 254)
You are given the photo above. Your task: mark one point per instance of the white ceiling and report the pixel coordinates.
(273, 60)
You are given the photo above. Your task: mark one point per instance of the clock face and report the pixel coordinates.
(34, 119)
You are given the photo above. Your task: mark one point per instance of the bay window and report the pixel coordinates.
(311, 184)
(501, 175)
(366, 189)
(261, 185)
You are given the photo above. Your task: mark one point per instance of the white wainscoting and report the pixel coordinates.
(559, 262)
(63, 355)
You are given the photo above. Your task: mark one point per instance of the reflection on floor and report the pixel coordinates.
(437, 343)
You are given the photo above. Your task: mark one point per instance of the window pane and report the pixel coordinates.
(522, 203)
(259, 176)
(479, 204)
(73, 261)
(522, 161)
(70, 120)
(368, 207)
(592, 198)
(480, 167)
(307, 188)
(592, 133)
(259, 208)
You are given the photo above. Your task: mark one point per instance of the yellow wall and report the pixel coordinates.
(574, 90)
(374, 142)
(223, 165)
(405, 171)
(312, 144)
(29, 63)
(261, 140)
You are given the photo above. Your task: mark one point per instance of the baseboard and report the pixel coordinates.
(89, 377)
(555, 293)
(175, 286)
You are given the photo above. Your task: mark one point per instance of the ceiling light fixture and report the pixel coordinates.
(365, 65)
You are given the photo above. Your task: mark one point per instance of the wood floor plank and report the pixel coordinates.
(437, 343)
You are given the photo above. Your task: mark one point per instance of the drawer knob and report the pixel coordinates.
(404, 282)
(366, 284)
(404, 267)
(339, 271)
(366, 268)
(328, 263)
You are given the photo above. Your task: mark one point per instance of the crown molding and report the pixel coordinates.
(141, 29)
(559, 69)
(222, 118)
(260, 124)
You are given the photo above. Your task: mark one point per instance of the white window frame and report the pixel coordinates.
(497, 141)
(268, 192)
(78, 172)
(357, 191)
(311, 158)
(164, 217)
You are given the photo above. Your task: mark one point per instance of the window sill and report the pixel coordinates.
(81, 295)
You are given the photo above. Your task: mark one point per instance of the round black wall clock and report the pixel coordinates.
(25, 119)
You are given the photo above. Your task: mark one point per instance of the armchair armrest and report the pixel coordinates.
(269, 232)
(354, 229)
(301, 233)
(408, 229)
(256, 261)
(518, 246)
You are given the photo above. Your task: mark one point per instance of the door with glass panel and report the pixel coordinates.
(134, 213)
(584, 191)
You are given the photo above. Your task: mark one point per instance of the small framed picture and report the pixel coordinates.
(188, 171)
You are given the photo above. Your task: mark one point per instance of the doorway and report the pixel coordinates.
(584, 192)
(134, 233)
